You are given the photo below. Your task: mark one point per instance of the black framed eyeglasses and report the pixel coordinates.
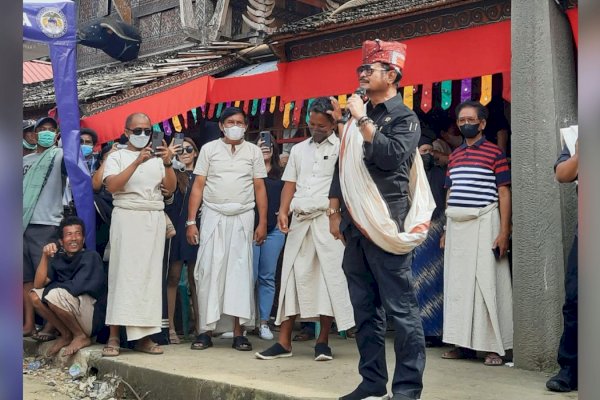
(139, 131)
(188, 149)
(368, 70)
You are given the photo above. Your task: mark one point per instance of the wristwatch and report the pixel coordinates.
(188, 223)
(330, 211)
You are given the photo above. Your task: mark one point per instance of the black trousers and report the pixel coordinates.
(380, 284)
(567, 350)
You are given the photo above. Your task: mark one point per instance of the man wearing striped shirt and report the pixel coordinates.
(477, 280)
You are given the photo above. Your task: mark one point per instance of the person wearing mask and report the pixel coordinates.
(29, 137)
(181, 251)
(88, 139)
(265, 256)
(229, 184)
(44, 178)
(381, 219)
(313, 286)
(70, 288)
(450, 138)
(477, 282)
(137, 236)
(566, 170)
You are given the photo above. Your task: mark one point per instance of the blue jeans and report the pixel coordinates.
(265, 264)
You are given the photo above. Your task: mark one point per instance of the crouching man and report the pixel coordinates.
(70, 288)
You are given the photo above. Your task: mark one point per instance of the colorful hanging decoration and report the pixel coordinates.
(308, 104)
(297, 112)
(228, 104)
(167, 127)
(254, 107)
(446, 94)
(465, 90)
(219, 110)
(236, 103)
(286, 115)
(246, 106)
(282, 105)
(272, 104)
(176, 123)
(263, 105)
(408, 96)
(195, 115)
(203, 108)
(343, 100)
(211, 111)
(427, 97)
(156, 128)
(486, 89)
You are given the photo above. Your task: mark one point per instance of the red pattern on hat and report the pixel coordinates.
(393, 53)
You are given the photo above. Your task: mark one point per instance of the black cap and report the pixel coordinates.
(43, 120)
(28, 125)
(91, 132)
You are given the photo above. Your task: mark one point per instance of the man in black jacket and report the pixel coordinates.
(70, 288)
(380, 283)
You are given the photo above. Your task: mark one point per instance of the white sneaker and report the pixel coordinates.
(229, 335)
(265, 333)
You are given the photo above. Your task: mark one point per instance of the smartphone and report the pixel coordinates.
(157, 139)
(178, 140)
(496, 251)
(265, 136)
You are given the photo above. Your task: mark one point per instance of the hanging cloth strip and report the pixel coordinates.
(408, 96)
(446, 94)
(167, 127)
(176, 123)
(272, 104)
(426, 98)
(486, 89)
(308, 104)
(286, 115)
(254, 107)
(219, 110)
(465, 90)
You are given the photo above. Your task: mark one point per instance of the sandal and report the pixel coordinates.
(152, 348)
(241, 343)
(493, 360)
(459, 353)
(43, 336)
(173, 338)
(203, 341)
(111, 349)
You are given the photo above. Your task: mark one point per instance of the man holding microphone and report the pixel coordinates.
(377, 159)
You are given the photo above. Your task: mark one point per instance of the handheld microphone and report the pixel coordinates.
(362, 92)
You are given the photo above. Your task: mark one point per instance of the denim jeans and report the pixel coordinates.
(265, 263)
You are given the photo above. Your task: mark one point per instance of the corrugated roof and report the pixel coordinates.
(36, 71)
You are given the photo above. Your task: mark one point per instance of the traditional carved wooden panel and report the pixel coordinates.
(401, 29)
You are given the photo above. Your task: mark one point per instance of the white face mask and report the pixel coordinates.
(139, 141)
(235, 132)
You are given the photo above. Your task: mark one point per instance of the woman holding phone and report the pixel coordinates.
(267, 254)
(181, 250)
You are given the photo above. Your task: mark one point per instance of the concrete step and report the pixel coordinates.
(221, 372)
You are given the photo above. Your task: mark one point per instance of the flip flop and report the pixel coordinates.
(43, 336)
(153, 349)
(112, 350)
(203, 341)
(241, 343)
(459, 353)
(493, 360)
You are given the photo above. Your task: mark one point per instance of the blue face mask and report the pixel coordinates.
(87, 149)
(28, 145)
(46, 138)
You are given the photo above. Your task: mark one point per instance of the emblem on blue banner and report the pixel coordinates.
(52, 22)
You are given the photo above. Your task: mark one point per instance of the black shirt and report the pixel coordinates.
(274, 187)
(388, 158)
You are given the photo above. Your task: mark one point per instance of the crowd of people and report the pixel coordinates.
(374, 220)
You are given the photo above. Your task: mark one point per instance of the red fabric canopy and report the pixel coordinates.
(109, 124)
(452, 55)
(573, 15)
(244, 87)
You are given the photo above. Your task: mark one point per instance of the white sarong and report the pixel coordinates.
(369, 211)
(137, 237)
(223, 274)
(477, 288)
(312, 280)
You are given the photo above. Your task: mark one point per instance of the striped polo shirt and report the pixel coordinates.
(475, 173)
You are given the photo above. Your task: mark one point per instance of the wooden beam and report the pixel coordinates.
(124, 10)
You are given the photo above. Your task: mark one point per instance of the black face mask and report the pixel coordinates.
(428, 161)
(469, 130)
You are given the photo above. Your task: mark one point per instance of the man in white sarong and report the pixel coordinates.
(313, 284)
(228, 185)
(134, 176)
(477, 281)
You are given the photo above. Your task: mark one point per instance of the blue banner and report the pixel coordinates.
(55, 23)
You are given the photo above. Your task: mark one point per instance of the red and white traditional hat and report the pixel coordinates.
(393, 53)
